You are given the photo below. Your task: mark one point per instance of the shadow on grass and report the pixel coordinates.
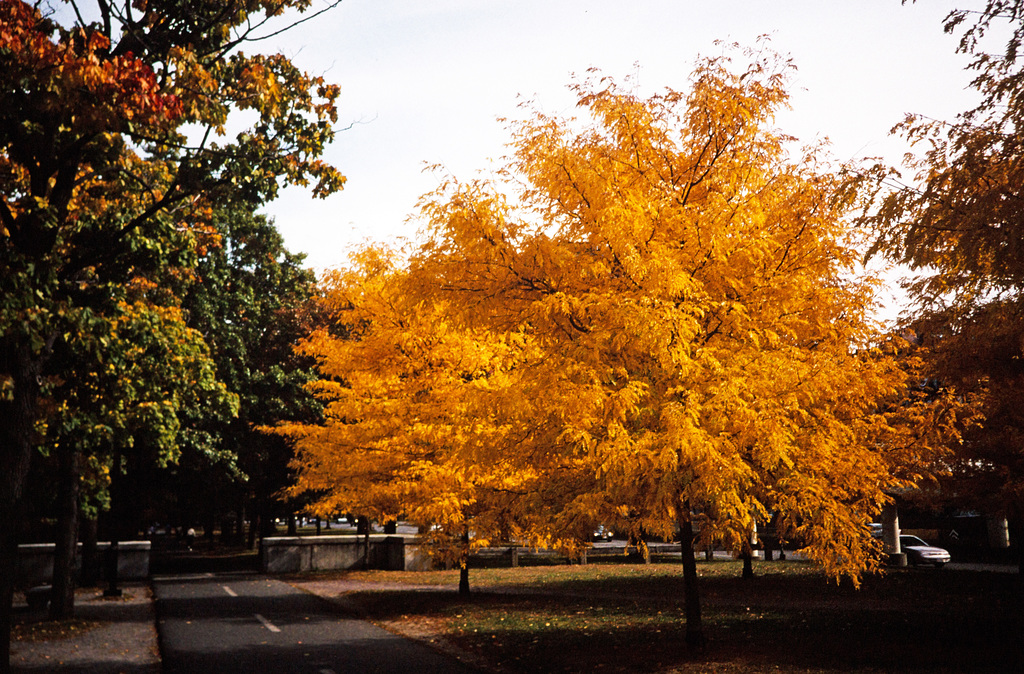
(913, 620)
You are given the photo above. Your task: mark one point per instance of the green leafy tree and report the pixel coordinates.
(250, 298)
(101, 184)
(129, 388)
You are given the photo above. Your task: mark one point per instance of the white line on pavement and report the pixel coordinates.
(229, 591)
(266, 623)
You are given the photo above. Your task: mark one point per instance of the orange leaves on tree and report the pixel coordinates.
(121, 87)
(687, 335)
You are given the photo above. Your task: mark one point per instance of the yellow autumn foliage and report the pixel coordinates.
(652, 316)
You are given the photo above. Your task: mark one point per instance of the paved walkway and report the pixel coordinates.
(118, 636)
(110, 636)
(231, 624)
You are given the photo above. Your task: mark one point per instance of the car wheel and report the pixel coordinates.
(939, 565)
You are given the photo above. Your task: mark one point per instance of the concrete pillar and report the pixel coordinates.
(891, 535)
(998, 533)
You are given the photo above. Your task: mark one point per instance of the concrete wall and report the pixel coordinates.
(292, 554)
(35, 561)
(417, 557)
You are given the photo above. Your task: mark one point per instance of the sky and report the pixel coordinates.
(424, 82)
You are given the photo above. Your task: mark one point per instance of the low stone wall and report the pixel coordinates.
(296, 554)
(35, 561)
(293, 554)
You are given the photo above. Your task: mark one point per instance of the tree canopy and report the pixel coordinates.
(956, 222)
(113, 153)
(249, 298)
(654, 313)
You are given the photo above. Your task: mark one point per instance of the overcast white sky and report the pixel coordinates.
(424, 81)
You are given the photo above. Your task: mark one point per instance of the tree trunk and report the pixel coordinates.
(209, 522)
(748, 564)
(464, 564)
(240, 523)
(116, 528)
(694, 628)
(255, 525)
(770, 539)
(748, 553)
(17, 438)
(363, 529)
(268, 523)
(62, 596)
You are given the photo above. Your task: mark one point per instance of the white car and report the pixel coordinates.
(919, 552)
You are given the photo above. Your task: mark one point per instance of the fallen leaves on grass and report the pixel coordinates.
(791, 618)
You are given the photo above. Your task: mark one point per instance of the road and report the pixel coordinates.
(243, 623)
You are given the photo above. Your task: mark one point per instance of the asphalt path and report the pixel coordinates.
(240, 624)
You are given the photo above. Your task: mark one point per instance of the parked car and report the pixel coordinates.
(919, 552)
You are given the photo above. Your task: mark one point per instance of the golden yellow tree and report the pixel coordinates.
(654, 321)
(406, 429)
(706, 345)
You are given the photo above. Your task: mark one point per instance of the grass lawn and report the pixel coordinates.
(629, 618)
